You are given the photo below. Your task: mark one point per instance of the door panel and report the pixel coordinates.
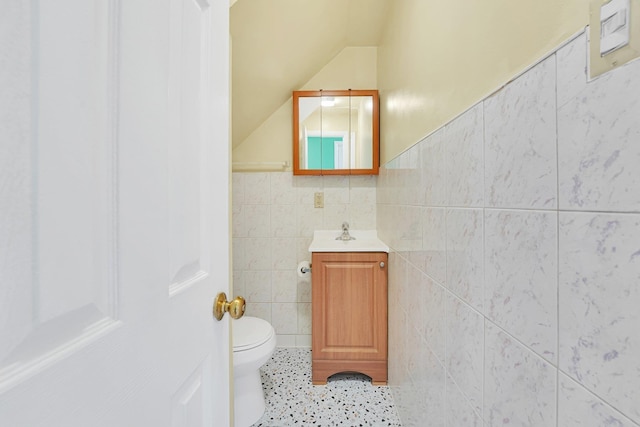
(67, 232)
(198, 258)
(189, 258)
(109, 256)
(189, 401)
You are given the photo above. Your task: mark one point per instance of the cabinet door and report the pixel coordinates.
(349, 297)
(336, 132)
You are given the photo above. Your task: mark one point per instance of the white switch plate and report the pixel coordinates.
(598, 63)
(614, 25)
(318, 200)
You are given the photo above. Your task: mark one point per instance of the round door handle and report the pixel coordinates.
(381, 264)
(235, 308)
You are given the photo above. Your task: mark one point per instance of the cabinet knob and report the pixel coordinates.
(381, 264)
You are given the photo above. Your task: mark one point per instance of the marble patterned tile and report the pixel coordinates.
(397, 282)
(520, 387)
(577, 407)
(336, 189)
(239, 251)
(433, 249)
(362, 189)
(257, 285)
(305, 187)
(599, 300)
(282, 191)
(304, 289)
(346, 400)
(283, 221)
(362, 216)
(255, 255)
(431, 396)
(385, 225)
(237, 188)
(423, 399)
(598, 150)
(308, 219)
(257, 188)
(464, 145)
(433, 309)
(256, 221)
(284, 286)
(394, 189)
(414, 301)
(465, 255)
(302, 249)
(283, 253)
(416, 352)
(284, 317)
(334, 215)
(458, 411)
(520, 142)
(433, 166)
(571, 62)
(407, 228)
(238, 283)
(398, 354)
(404, 398)
(238, 223)
(395, 350)
(259, 309)
(383, 185)
(521, 276)
(465, 349)
(411, 187)
(304, 318)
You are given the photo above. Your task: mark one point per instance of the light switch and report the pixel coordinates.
(614, 26)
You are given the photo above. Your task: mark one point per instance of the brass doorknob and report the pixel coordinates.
(221, 306)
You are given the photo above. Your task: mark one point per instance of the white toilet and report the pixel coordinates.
(254, 341)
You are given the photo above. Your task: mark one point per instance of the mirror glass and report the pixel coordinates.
(335, 132)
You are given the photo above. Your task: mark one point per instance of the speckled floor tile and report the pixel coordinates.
(346, 400)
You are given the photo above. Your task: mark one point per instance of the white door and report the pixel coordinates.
(114, 217)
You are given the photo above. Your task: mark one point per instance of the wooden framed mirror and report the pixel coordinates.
(336, 132)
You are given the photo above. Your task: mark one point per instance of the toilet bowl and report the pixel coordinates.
(254, 341)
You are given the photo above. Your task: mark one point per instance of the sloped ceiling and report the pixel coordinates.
(278, 45)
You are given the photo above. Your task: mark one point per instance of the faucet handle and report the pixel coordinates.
(345, 225)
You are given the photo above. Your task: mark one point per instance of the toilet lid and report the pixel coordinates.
(250, 332)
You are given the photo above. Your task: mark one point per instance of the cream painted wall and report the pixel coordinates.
(352, 68)
(436, 59)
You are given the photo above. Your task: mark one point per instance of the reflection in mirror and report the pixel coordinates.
(335, 132)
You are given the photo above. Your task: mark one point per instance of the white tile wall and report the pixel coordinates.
(465, 255)
(514, 279)
(273, 223)
(521, 276)
(515, 264)
(519, 386)
(578, 408)
(600, 296)
(520, 141)
(464, 342)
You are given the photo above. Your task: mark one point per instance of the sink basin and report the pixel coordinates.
(365, 241)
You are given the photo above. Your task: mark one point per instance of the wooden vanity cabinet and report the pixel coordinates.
(349, 315)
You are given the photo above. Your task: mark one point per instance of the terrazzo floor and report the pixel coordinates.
(346, 400)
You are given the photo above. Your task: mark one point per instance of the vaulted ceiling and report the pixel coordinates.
(278, 45)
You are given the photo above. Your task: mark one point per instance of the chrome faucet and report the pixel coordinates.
(345, 233)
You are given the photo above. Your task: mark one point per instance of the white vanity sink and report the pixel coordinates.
(365, 241)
